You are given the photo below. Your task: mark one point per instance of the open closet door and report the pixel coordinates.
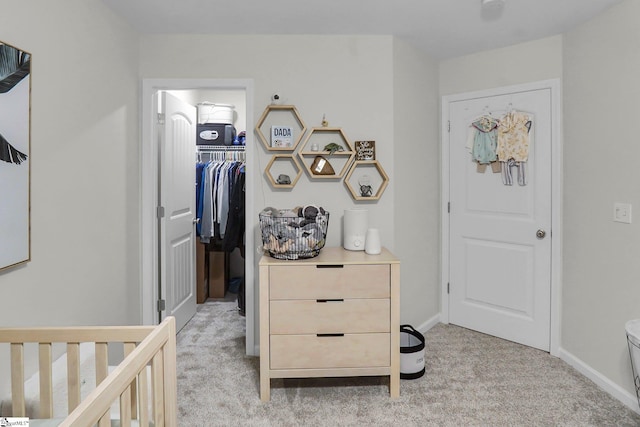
(177, 139)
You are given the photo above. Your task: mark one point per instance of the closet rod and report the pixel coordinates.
(220, 147)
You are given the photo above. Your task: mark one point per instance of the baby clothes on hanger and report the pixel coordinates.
(513, 145)
(483, 149)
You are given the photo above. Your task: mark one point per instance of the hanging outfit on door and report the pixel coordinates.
(483, 148)
(513, 146)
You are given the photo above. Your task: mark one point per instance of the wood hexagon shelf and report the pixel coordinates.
(323, 136)
(282, 158)
(284, 116)
(380, 183)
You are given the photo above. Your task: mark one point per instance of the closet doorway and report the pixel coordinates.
(500, 262)
(192, 91)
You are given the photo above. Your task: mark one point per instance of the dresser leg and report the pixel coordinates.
(265, 388)
(394, 386)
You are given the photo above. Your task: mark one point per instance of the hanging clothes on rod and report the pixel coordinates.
(218, 172)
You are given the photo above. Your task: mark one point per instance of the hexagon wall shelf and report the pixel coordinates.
(282, 158)
(323, 136)
(280, 115)
(381, 182)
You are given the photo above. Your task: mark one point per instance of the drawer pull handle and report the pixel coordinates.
(329, 335)
(329, 266)
(330, 300)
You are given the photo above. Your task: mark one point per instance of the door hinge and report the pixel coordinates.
(161, 305)
(160, 211)
(448, 207)
(160, 118)
(447, 288)
(448, 125)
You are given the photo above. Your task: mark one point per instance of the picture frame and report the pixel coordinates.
(282, 136)
(365, 150)
(15, 152)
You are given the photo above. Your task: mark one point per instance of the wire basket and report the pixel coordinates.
(293, 237)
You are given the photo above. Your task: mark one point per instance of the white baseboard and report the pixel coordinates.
(430, 323)
(601, 381)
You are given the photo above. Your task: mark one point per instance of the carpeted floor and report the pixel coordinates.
(471, 380)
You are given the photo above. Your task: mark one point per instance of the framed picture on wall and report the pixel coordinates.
(365, 150)
(15, 94)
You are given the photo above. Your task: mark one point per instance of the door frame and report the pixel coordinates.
(148, 184)
(556, 197)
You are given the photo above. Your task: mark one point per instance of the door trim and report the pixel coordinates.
(149, 200)
(556, 197)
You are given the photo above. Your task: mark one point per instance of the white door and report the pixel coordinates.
(500, 235)
(177, 138)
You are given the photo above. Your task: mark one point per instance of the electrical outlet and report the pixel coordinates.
(622, 212)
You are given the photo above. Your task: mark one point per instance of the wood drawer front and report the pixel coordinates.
(348, 351)
(313, 317)
(347, 281)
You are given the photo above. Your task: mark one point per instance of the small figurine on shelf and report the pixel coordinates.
(365, 186)
(333, 147)
(325, 122)
(283, 179)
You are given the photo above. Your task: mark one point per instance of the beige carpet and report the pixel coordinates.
(471, 380)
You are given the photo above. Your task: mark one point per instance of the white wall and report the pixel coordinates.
(84, 167)
(347, 78)
(417, 182)
(601, 145)
(522, 63)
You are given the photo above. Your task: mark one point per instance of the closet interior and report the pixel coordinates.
(220, 193)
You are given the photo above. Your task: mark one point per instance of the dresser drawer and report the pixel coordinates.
(321, 316)
(329, 282)
(348, 351)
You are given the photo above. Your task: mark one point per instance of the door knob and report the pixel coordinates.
(196, 220)
(540, 234)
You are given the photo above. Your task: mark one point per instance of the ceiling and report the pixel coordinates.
(441, 28)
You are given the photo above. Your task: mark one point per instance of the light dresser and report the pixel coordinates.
(334, 315)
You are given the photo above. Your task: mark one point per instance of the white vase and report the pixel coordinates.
(372, 244)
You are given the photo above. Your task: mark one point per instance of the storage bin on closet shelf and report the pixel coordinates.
(209, 112)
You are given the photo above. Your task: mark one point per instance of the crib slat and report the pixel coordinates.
(105, 421)
(125, 408)
(17, 379)
(102, 361)
(46, 382)
(128, 348)
(157, 395)
(143, 396)
(73, 374)
(102, 370)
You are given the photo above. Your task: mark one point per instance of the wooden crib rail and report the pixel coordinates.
(128, 383)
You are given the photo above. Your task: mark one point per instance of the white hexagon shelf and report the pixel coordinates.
(278, 165)
(371, 180)
(314, 145)
(281, 116)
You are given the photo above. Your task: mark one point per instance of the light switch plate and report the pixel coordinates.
(622, 212)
